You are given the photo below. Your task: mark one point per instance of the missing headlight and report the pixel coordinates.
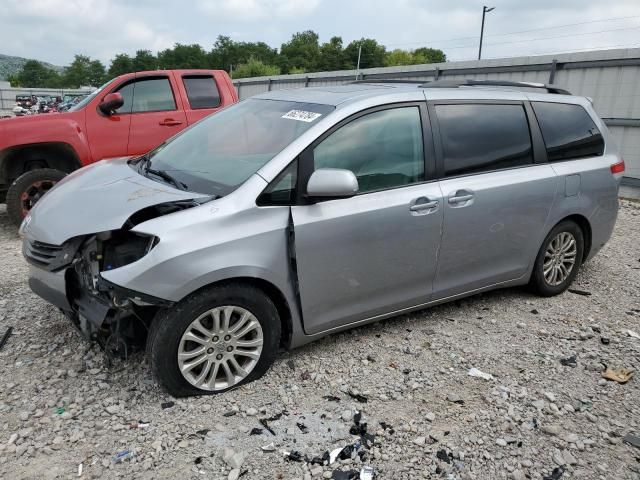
(125, 247)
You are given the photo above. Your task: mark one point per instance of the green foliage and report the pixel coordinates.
(302, 51)
(430, 55)
(84, 72)
(144, 60)
(302, 54)
(373, 54)
(255, 68)
(415, 57)
(183, 56)
(120, 65)
(332, 56)
(35, 74)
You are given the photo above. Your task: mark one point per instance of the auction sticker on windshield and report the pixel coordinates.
(301, 115)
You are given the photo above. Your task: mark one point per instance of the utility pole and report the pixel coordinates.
(485, 10)
(231, 71)
(358, 66)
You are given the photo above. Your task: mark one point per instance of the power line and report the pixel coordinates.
(515, 33)
(534, 39)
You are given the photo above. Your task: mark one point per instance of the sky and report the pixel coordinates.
(55, 30)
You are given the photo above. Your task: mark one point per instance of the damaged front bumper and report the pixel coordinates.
(93, 304)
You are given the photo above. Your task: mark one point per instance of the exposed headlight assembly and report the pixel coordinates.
(122, 247)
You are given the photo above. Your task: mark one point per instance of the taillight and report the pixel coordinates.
(617, 167)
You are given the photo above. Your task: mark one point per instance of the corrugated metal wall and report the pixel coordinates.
(610, 77)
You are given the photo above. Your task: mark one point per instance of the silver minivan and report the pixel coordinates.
(298, 213)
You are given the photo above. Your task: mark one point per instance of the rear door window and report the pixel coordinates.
(483, 137)
(568, 131)
(202, 91)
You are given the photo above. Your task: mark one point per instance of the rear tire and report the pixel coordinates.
(169, 334)
(553, 271)
(27, 189)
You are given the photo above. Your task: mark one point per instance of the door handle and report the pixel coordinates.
(425, 204)
(170, 122)
(461, 196)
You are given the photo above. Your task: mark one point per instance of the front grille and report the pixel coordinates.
(42, 254)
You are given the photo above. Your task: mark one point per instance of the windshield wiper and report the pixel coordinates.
(166, 177)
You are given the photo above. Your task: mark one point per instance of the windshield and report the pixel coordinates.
(219, 153)
(88, 98)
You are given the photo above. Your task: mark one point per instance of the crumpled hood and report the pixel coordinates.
(94, 199)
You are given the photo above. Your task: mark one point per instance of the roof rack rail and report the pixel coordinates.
(494, 83)
(390, 80)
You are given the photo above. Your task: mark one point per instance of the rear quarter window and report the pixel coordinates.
(202, 91)
(568, 131)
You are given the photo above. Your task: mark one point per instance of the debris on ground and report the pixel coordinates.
(294, 456)
(345, 475)
(633, 440)
(620, 375)
(5, 337)
(367, 473)
(331, 398)
(584, 293)
(271, 447)
(256, 431)
(358, 397)
(556, 474)
(571, 361)
(474, 372)
(165, 405)
(265, 423)
(633, 334)
(122, 456)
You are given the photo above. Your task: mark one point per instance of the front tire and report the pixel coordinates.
(558, 260)
(214, 340)
(27, 189)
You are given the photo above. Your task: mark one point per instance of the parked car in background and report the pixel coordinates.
(299, 213)
(127, 116)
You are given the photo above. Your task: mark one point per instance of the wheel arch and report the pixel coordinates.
(16, 160)
(585, 226)
(276, 296)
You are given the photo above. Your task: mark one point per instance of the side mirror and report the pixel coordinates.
(110, 103)
(330, 183)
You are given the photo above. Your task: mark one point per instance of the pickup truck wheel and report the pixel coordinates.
(214, 340)
(27, 189)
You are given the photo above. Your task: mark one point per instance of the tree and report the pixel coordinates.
(373, 54)
(302, 51)
(332, 55)
(34, 74)
(399, 57)
(430, 55)
(183, 56)
(227, 52)
(84, 72)
(144, 60)
(255, 68)
(121, 64)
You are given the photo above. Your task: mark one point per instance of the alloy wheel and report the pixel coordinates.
(220, 348)
(559, 258)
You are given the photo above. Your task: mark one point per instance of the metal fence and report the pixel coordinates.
(610, 77)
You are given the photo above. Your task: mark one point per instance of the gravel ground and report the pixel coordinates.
(61, 406)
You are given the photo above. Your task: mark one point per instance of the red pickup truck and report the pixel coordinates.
(127, 116)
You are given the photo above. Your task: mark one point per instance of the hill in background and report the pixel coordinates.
(10, 65)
